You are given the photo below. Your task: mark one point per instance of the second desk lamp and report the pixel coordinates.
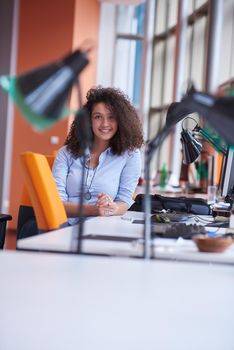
(218, 111)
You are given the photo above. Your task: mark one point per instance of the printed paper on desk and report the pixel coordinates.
(133, 215)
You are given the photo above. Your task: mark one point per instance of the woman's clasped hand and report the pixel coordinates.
(106, 205)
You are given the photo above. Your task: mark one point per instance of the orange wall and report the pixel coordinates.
(86, 27)
(46, 32)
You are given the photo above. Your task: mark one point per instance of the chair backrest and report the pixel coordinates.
(48, 207)
(25, 198)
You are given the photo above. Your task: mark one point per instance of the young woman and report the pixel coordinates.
(114, 163)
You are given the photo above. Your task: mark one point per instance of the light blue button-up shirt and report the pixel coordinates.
(115, 175)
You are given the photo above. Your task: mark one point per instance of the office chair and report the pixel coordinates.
(41, 209)
(27, 225)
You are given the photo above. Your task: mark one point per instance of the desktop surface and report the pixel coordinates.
(57, 302)
(129, 243)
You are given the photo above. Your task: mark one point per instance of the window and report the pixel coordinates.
(129, 51)
(166, 72)
(149, 64)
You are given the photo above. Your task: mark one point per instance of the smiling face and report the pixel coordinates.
(104, 123)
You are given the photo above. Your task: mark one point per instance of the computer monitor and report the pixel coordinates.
(227, 182)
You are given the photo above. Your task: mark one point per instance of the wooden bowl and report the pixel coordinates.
(212, 244)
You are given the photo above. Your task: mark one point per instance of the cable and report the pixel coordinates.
(200, 219)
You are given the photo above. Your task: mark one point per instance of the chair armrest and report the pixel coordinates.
(3, 221)
(5, 217)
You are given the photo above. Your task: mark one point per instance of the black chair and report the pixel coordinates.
(3, 222)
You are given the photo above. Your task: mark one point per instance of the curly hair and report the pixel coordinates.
(129, 135)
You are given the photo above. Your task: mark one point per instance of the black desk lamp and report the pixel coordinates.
(218, 111)
(41, 95)
(191, 148)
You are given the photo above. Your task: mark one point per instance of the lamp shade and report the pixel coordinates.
(41, 94)
(191, 148)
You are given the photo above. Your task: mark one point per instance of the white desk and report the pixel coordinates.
(61, 240)
(183, 250)
(57, 302)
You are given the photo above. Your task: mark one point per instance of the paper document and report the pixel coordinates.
(133, 215)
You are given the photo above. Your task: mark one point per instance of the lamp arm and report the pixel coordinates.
(151, 147)
(176, 112)
(81, 207)
(157, 141)
(207, 137)
(84, 135)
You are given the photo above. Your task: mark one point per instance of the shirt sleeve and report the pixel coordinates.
(60, 171)
(129, 178)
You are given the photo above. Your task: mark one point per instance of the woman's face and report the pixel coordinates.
(104, 123)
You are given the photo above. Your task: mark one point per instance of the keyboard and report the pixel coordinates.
(177, 230)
